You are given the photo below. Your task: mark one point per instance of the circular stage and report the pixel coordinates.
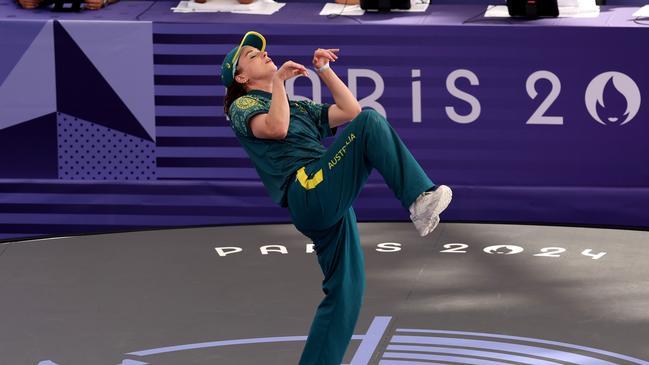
(466, 294)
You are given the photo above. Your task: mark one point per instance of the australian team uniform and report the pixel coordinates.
(318, 186)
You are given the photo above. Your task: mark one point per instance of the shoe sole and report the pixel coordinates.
(431, 227)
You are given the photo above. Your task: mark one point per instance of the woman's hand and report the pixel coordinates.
(324, 56)
(30, 4)
(94, 4)
(291, 69)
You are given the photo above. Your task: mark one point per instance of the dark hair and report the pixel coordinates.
(235, 90)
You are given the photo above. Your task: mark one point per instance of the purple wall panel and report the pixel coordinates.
(587, 170)
(89, 151)
(503, 168)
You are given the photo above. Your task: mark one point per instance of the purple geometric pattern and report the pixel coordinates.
(89, 151)
(81, 90)
(29, 89)
(22, 34)
(122, 55)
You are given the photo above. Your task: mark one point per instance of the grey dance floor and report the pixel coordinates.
(467, 294)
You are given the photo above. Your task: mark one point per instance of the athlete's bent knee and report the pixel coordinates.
(369, 113)
(370, 116)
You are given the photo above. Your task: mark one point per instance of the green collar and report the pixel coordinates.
(265, 94)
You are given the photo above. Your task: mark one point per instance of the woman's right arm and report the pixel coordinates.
(274, 124)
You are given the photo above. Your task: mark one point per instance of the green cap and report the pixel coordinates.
(229, 64)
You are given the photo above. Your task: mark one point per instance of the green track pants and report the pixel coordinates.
(320, 203)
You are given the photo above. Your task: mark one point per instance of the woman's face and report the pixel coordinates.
(254, 65)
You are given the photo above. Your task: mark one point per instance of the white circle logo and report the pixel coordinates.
(624, 85)
(503, 249)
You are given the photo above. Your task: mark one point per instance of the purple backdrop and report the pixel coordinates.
(528, 122)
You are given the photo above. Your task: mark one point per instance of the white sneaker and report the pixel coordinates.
(425, 211)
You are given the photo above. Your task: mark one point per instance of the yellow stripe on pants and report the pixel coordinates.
(307, 183)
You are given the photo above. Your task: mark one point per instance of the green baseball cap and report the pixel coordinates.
(229, 64)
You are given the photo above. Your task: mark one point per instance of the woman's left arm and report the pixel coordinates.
(346, 107)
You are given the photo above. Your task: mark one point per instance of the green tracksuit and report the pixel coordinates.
(318, 186)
